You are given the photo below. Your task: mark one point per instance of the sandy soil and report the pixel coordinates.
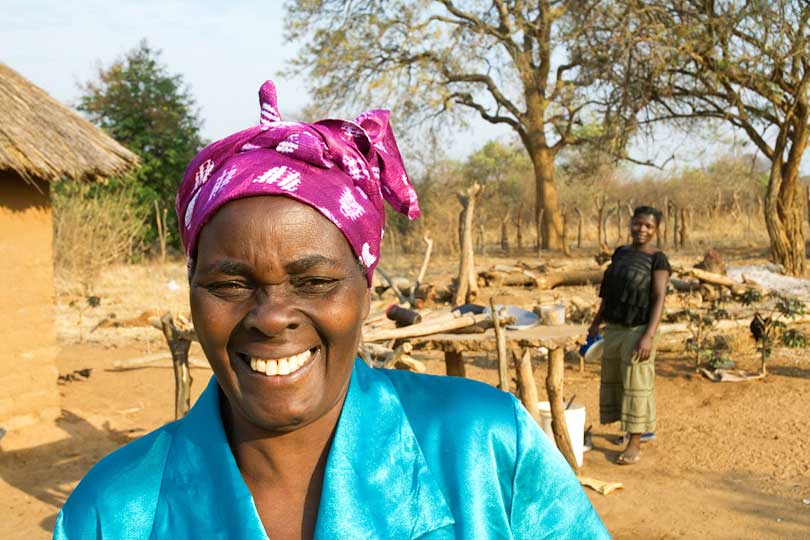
(730, 461)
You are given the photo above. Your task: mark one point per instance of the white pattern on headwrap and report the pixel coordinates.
(349, 206)
(283, 176)
(366, 256)
(221, 181)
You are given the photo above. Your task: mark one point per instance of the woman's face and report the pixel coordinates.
(642, 228)
(278, 300)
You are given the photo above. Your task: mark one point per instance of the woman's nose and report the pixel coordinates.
(272, 313)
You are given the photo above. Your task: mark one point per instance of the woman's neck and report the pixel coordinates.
(280, 459)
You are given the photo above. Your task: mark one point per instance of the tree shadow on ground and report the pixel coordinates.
(48, 472)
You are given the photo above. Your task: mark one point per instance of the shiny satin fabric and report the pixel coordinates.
(414, 456)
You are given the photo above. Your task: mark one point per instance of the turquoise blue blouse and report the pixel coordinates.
(413, 456)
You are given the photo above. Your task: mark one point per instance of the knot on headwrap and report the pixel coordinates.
(343, 169)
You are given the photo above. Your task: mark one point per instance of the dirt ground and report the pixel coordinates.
(730, 460)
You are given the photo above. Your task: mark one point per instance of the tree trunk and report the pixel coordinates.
(579, 227)
(783, 217)
(600, 215)
(505, 233)
(549, 223)
(664, 224)
(619, 228)
(683, 232)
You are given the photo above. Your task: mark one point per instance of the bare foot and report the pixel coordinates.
(632, 453)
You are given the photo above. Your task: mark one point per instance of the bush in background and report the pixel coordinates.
(94, 228)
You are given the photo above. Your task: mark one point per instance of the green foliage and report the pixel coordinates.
(150, 111)
(795, 339)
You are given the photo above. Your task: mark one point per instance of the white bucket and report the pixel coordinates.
(553, 315)
(574, 419)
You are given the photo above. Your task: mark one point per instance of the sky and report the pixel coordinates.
(223, 50)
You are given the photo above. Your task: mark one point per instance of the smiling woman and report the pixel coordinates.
(295, 438)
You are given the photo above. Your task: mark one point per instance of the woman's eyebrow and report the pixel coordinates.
(228, 267)
(307, 262)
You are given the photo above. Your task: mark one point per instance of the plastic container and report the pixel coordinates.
(574, 419)
(553, 314)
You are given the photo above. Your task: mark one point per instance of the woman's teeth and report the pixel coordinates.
(280, 366)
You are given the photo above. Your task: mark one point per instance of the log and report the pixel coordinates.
(710, 277)
(527, 389)
(179, 347)
(500, 339)
(425, 328)
(683, 285)
(570, 278)
(554, 387)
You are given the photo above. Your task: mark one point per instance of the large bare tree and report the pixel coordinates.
(742, 62)
(504, 60)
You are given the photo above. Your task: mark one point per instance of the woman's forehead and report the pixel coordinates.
(272, 227)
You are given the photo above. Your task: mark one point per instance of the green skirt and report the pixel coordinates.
(626, 390)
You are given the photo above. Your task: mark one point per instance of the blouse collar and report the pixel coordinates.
(377, 483)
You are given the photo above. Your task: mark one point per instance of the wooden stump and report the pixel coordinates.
(179, 347)
(454, 364)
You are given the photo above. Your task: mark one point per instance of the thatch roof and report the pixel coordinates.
(41, 138)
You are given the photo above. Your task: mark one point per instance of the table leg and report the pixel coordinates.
(554, 387)
(454, 364)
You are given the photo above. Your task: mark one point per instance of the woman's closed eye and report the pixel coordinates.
(314, 284)
(230, 289)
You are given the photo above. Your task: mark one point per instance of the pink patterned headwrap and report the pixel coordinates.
(342, 169)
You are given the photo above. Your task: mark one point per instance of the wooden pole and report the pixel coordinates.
(179, 347)
(554, 387)
(466, 263)
(422, 269)
(500, 339)
(527, 389)
(566, 249)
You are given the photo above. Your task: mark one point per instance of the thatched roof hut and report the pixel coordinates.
(43, 139)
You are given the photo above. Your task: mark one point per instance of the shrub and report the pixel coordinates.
(94, 228)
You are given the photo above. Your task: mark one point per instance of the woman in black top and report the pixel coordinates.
(632, 292)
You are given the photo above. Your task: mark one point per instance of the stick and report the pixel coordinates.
(422, 269)
(425, 328)
(554, 387)
(143, 361)
(503, 369)
(400, 296)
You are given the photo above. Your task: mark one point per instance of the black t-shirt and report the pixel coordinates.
(627, 285)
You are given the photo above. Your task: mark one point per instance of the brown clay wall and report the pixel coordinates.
(28, 390)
